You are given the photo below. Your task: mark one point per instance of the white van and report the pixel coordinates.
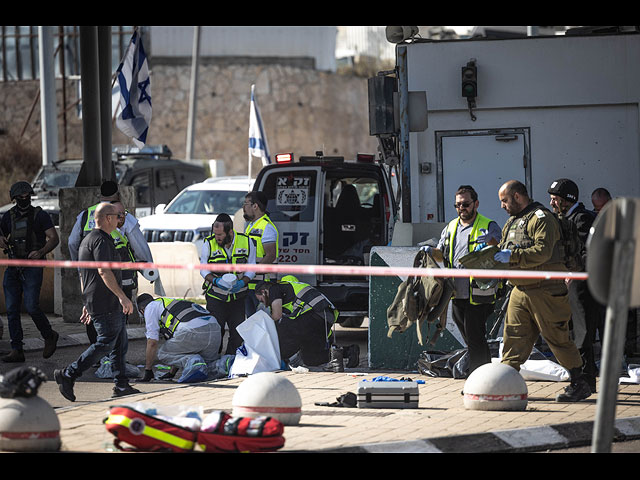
(329, 211)
(189, 216)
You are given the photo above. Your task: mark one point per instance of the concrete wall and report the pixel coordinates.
(303, 110)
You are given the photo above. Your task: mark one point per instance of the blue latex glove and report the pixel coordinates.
(502, 256)
(239, 285)
(482, 238)
(217, 282)
(425, 248)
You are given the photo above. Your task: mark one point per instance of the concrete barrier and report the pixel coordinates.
(176, 282)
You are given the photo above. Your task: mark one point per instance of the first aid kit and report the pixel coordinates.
(222, 433)
(149, 433)
(145, 428)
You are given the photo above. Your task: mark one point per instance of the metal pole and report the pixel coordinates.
(90, 88)
(193, 91)
(616, 325)
(405, 159)
(49, 125)
(104, 83)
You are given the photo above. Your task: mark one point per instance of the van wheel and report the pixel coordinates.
(351, 322)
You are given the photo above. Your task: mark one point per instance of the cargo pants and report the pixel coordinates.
(533, 310)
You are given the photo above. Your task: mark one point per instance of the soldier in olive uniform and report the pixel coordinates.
(531, 241)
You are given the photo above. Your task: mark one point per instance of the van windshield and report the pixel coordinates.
(207, 202)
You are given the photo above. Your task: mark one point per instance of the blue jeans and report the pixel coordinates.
(27, 285)
(111, 340)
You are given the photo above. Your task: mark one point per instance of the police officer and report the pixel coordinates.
(471, 305)
(187, 327)
(226, 302)
(531, 241)
(264, 232)
(304, 319)
(27, 233)
(584, 309)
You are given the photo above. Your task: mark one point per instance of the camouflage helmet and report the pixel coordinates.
(20, 188)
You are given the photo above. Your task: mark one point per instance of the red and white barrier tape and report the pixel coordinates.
(306, 269)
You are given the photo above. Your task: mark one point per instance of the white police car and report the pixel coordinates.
(189, 216)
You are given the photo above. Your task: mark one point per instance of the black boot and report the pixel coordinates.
(16, 356)
(336, 363)
(352, 354)
(577, 390)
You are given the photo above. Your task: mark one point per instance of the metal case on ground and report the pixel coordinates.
(400, 394)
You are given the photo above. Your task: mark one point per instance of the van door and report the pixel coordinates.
(294, 198)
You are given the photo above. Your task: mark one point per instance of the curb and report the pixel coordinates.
(533, 439)
(75, 339)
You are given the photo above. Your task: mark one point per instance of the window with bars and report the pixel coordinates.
(19, 50)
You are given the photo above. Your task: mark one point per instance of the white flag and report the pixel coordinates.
(257, 138)
(135, 93)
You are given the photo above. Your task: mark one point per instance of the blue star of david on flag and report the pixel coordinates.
(135, 93)
(258, 146)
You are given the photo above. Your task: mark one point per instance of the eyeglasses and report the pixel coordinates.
(247, 203)
(461, 205)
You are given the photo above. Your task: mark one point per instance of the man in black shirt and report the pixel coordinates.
(105, 304)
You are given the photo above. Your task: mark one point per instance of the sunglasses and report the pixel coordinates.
(462, 205)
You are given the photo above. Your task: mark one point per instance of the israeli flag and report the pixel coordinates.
(135, 93)
(257, 138)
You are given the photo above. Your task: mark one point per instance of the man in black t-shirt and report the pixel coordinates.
(105, 304)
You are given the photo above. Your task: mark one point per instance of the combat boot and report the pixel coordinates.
(577, 390)
(336, 363)
(352, 353)
(16, 356)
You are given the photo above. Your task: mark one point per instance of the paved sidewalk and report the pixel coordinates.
(440, 424)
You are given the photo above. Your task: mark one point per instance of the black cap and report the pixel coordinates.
(143, 300)
(564, 188)
(20, 188)
(108, 188)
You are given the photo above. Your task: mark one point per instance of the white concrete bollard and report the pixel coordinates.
(28, 424)
(495, 386)
(268, 394)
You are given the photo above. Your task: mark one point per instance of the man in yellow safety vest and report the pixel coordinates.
(226, 300)
(472, 303)
(264, 232)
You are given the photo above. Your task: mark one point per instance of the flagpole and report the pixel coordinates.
(249, 150)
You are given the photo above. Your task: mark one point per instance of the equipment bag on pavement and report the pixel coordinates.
(442, 364)
(222, 433)
(147, 433)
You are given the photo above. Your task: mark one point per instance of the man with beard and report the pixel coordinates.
(27, 233)
(264, 232)
(532, 240)
(225, 300)
(471, 305)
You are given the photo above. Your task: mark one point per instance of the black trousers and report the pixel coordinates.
(307, 334)
(229, 314)
(471, 320)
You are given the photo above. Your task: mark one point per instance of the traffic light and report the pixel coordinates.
(470, 80)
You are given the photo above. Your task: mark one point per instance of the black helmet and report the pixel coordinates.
(20, 188)
(564, 188)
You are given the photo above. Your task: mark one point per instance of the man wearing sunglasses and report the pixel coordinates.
(472, 303)
(105, 305)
